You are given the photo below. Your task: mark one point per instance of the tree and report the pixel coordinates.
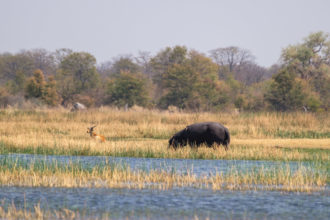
(250, 73)
(207, 77)
(165, 60)
(104, 69)
(190, 84)
(77, 74)
(310, 61)
(60, 54)
(128, 88)
(43, 60)
(285, 92)
(35, 85)
(50, 95)
(185, 79)
(231, 59)
(124, 64)
(38, 88)
(143, 61)
(307, 58)
(180, 82)
(253, 98)
(14, 70)
(223, 95)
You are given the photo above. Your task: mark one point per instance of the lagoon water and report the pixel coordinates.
(179, 166)
(172, 204)
(176, 203)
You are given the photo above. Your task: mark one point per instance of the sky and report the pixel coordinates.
(112, 28)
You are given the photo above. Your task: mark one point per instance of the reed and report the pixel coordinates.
(110, 175)
(12, 212)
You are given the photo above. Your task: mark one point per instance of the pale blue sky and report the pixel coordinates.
(111, 28)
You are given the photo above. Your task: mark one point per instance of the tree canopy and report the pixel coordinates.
(224, 79)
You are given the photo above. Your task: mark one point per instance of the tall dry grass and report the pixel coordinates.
(279, 136)
(283, 178)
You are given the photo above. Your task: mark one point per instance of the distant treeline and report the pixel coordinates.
(225, 79)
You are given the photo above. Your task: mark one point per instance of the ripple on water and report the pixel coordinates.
(175, 203)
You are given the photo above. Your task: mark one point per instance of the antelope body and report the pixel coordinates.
(95, 136)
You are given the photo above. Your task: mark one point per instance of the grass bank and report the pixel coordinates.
(260, 136)
(158, 149)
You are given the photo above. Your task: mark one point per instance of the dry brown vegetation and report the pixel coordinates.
(266, 136)
(303, 179)
(145, 133)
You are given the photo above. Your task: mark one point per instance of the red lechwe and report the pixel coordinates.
(101, 138)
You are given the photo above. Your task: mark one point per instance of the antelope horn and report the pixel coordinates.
(91, 127)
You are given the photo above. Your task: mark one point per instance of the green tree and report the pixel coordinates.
(77, 74)
(285, 92)
(310, 61)
(253, 98)
(180, 82)
(35, 85)
(207, 77)
(191, 84)
(50, 95)
(307, 58)
(128, 88)
(38, 88)
(124, 64)
(14, 70)
(162, 62)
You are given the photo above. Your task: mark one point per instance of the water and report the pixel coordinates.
(179, 166)
(176, 203)
(171, 204)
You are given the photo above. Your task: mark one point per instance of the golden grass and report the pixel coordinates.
(145, 134)
(114, 123)
(249, 149)
(303, 179)
(285, 143)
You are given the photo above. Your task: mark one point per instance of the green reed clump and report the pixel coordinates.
(44, 164)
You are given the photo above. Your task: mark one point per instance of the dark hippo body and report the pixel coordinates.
(207, 133)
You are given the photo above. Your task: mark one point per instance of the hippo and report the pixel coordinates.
(208, 133)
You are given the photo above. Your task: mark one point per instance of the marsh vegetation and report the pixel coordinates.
(284, 152)
(259, 136)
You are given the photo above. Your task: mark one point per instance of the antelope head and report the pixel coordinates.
(90, 130)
